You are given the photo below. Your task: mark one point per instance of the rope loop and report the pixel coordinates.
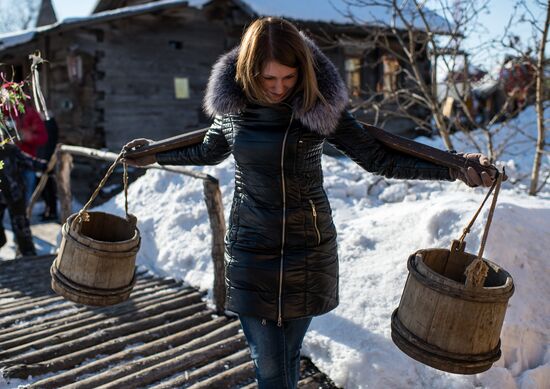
(477, 271)
(83, 215)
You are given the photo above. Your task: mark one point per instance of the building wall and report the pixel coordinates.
(138, 62)
(72, 101)
(126, 89)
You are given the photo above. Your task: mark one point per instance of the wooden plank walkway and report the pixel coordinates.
(164, 336)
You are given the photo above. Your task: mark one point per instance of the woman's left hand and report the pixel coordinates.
(470, 176)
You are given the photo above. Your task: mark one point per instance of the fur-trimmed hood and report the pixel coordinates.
(225, 96)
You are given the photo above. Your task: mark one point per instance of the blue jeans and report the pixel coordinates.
(275, 350)
(30, 181)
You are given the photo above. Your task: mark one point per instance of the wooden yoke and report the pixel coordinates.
(427, 153)
(175, 142)
(394, 142)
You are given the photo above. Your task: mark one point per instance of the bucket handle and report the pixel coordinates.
(83, 215)
(476, 272)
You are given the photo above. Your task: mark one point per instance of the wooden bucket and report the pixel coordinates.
(95, 264)
(444, 318)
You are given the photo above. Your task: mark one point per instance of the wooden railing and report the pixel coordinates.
(62, 162)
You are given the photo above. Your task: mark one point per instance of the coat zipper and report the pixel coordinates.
(314, 212)
(283, 187)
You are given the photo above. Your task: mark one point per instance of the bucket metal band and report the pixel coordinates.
(417, 268)
(111, 254)
(431, 355)
(87, 290)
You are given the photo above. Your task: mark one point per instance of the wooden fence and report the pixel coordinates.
(62, 162)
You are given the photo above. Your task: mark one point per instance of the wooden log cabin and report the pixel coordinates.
(136, 68)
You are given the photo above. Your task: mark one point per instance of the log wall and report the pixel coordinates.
(138, 82)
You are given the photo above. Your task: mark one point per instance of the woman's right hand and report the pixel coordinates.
(138, 161)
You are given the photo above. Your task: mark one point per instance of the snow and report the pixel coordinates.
(380, 223)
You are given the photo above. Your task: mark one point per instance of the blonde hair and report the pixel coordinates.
(275, 39)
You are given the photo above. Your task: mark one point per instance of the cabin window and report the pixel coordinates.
(353, 75)
(391, 70)
(181, 87)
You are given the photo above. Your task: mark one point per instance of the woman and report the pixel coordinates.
(275, 99)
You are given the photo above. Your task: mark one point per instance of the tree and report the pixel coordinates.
(540, 97)
(18, 15)
(451, 103)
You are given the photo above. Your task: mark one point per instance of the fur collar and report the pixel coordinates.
(225, 96)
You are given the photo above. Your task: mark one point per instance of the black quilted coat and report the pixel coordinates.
(281, 252)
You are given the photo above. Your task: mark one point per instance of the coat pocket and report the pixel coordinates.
(315, 225)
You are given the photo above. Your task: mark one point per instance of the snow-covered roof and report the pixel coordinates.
(16, 38)
(339, 11)
(21, 37)
(329, 11)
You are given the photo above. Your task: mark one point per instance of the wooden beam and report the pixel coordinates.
(64, 194)
(214, 204)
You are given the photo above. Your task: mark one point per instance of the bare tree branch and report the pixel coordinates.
(18, 15)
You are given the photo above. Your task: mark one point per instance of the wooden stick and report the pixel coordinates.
(164, 349)
(193, 338)
(213, 199)
(91, 153)
(394, 142)
(43, 179)
(187, 139)
(25, 305)
(229, 378)
(427, 153)
(140, 374)
(109, 347)
(109, 156)
(142, 298)
(60, 330)
(64, 168)
(87, 336)
(212, 369)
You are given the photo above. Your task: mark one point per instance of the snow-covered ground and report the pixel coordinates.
(380, 223)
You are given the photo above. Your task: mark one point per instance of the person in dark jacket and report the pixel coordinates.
(49, 194)
(12, 195)
(275, 100)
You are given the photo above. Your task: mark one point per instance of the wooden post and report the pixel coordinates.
(64, 168)
(213, 199)
(42, 183)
